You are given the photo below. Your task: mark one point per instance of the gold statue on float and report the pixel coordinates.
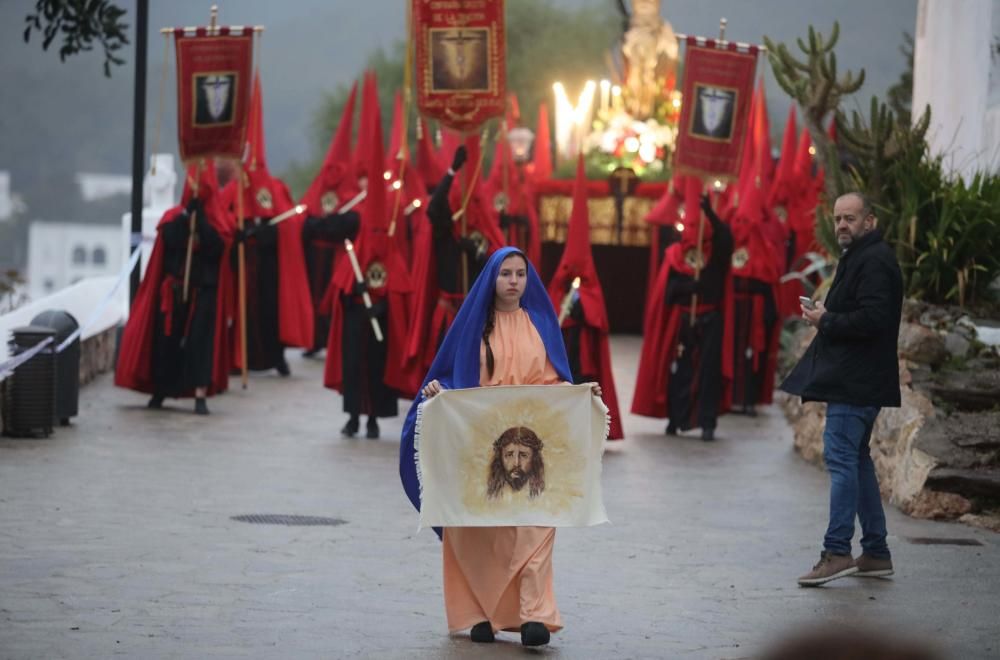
(650, 51)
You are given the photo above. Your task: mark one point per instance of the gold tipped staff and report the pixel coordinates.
(567, 302)
(361, 279)
(404, 148)
(290, 213)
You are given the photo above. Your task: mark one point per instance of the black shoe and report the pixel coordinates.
(310, 353)
(671, 429)
(351, 427)
(156, 402)
(708, 435)
(283, 369)
(200, 406)
(482, 633)
(372, 432)
(534, 634)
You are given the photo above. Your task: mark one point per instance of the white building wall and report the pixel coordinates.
(95, 186)
(63, 253)
(951, 72)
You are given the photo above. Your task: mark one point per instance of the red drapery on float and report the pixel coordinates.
(717, 88)
(460, 61)
(213, 91)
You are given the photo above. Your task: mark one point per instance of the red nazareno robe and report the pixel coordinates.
(662, 323)
(134, 368)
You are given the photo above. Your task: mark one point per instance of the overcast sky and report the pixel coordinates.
(77, 117)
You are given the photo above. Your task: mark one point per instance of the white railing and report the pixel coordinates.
(82, 300)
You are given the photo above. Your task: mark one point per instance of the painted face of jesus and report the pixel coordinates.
(517, 464)
(511, 282)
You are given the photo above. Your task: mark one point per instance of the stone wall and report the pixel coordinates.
(97, 355)
(932, 460)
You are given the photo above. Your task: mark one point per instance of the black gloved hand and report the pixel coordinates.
(359, 288)
(195, 206)
(505, 220)
(378, 308)
(242, 234)
(468, 246)
(706, 205)
(461, 155)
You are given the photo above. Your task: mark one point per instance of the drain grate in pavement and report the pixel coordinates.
(928, 540)
(285, 519)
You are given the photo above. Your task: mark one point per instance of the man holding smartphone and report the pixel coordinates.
(852, 365)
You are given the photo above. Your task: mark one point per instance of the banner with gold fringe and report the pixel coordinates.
(460, 61)
(213, 90)
(717, 89)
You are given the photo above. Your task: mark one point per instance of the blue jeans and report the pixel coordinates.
(853, 484)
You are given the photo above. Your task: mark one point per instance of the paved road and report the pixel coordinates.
(116, 540)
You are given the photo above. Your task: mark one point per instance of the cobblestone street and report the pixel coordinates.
(117, 540)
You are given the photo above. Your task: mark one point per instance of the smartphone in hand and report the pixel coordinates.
(807, 302)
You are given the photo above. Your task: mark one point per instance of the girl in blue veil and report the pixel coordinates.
(506, 332)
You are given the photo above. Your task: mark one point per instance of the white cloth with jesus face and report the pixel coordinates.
(525, 455)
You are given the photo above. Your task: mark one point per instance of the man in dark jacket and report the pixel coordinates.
(852, 365)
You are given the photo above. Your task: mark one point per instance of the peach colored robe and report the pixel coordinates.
(504, 574)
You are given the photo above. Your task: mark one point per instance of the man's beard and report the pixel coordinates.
(516, 479)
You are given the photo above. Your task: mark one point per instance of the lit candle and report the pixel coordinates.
(605, 96)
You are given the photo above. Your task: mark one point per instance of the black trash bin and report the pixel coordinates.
(67, 363)
(29, 394)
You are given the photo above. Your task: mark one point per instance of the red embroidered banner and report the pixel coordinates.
(717, 88)
(460, 60)
(213, 91)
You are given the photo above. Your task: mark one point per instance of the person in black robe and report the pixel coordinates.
(184, 333)
(322, 238)
(696, 385)
(264, 348)
(363, 360)
(448, 247)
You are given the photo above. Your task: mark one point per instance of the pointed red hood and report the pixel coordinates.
(428, 164)
(374, 219)
(396, 142)
(335, 184)
(542, 161)
(783, 188)
(803, 171)
(208, 193)
(668, 209)
(577, 259)
(692, 214)
(264, 196)
(763, 164)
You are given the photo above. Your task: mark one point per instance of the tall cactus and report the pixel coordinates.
(814, 84)
(880, 141)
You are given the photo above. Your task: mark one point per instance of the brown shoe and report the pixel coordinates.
(830, 567)
(872, 566)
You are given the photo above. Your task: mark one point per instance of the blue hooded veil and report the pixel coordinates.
(456, 365)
